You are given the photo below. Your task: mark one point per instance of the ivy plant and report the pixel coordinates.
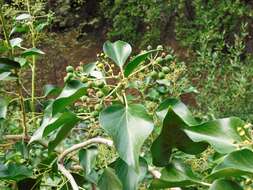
(123, 106)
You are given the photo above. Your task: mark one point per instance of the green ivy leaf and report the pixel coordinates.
(129, 127)
(180, 130)
(136, 61)
(129, 177)
(14, 172)
(87, 158)
(175, 116)
(31, 52)
(88, 68)
(71, 92)
(7, 64)
(3, 108)
(176, 174)
(65, 121)
(22, 61)
(62, 132)
(222, 184)
(109, 180)
(19, 29)
(221, 134)
(118, 51)
(236, 163)
(179, 108)
(50, 89)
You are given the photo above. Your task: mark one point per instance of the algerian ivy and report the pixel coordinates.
(100, 100)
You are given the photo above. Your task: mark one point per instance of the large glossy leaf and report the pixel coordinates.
(223, 184)
(87, 158)
(179, 108)
(6, 64)
(109, 180)
(130, 178)
(221, 134)
(50, 89)
(175, 116)
(129, 127)
(62, 132)
(72, 91)
(3, 108)
(118, 51)
(88, 68)
(180, 130)
(14, 172)
(236, 163)
(136, 61)
(65, 121)
(176, 174)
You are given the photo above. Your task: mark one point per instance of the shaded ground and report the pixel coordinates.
(63, 49)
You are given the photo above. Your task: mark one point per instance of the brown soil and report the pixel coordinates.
(63, 49)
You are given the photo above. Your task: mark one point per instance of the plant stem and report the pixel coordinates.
(33, 67)
(60, 161)
(22, 106)
(4, 28)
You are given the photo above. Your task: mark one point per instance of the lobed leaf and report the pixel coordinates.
(180, 130)
(129, 127)
(236, 163)
(118, 51)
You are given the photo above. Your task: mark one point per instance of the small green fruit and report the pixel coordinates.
(98, 107)
(161, 75)
(166, 70)
(84, 98)
(159, 60)
(95, 113)
(169, 57)
(99, 84)
(100, 94)
(153, 74)
(70, 69)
